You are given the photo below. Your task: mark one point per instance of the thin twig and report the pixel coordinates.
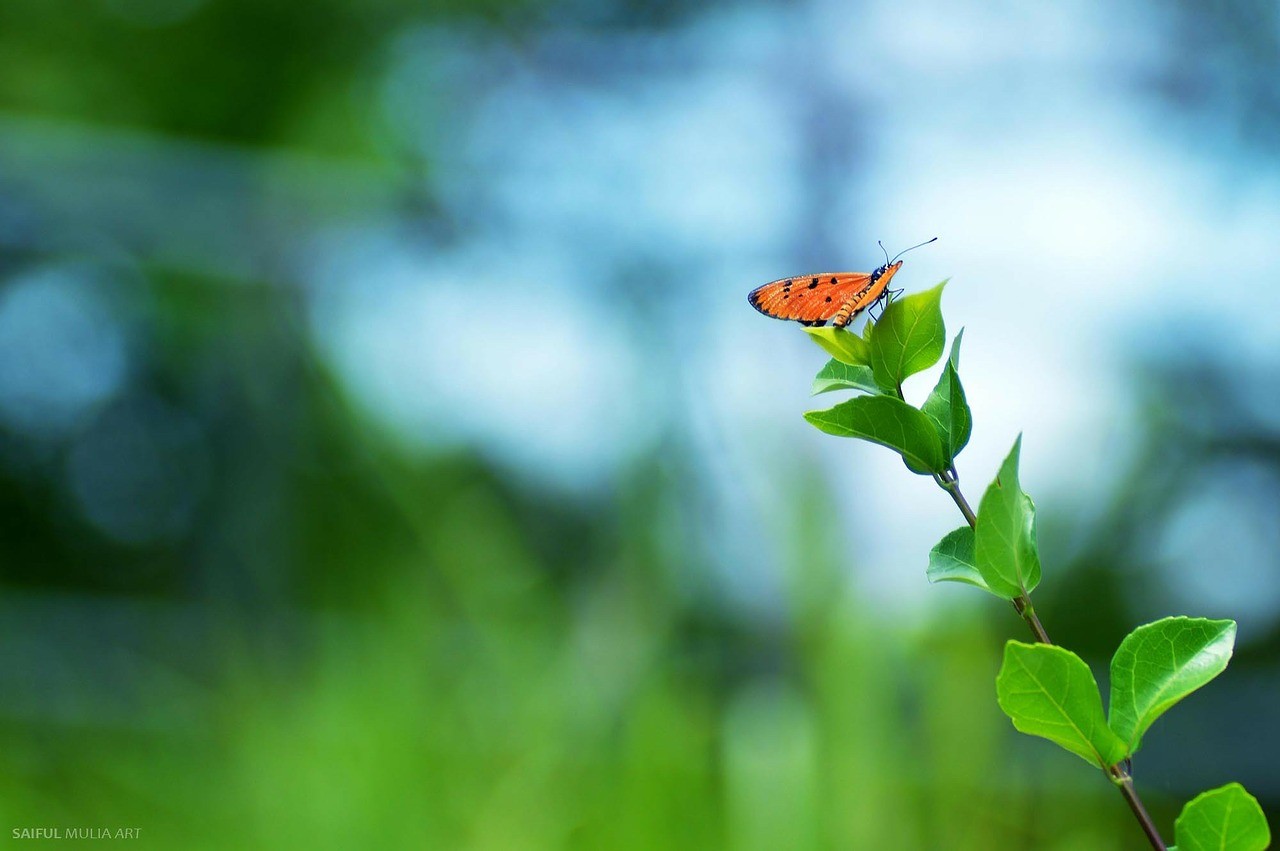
(1125, 782)
(950, 482)
(1022, 604)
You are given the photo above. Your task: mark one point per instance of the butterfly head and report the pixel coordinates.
(886, 271)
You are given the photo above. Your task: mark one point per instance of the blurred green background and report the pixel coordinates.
(389, 457)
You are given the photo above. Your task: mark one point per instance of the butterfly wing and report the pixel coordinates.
(815, 299)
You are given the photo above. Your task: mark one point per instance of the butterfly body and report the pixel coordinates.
(835, 297)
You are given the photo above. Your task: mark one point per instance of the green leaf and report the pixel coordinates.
(845, 346)
(954, 357)
(888, 421)
(841, 376)
(1161, 663)
(1049, 691)
(952, 560)
(1005, 543)
(948, 409)
(1225, 819)
(867, 328)
(908, 338)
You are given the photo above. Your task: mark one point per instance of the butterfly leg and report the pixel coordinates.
(881, 303)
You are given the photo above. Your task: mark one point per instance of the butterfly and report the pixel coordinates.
(835, 297)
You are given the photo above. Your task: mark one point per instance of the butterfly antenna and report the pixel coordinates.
(912, 248)
(880, 243)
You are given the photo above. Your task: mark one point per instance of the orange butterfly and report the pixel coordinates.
(835, 297)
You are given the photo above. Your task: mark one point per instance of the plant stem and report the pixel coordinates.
(1125, 782)
(949, 481)
(1022, 604)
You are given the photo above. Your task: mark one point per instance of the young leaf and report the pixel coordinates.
(1159, 664)
(908, 337)
(843, 345)
(888, 421)
(841, 376)
(1005, 541)
(948, 409)
(1226, 818)
(1049, 691)
(952, 560)
(954, 357)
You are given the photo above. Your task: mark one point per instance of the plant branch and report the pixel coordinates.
(950, 482)
(1022, 604)
(1125, 784)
